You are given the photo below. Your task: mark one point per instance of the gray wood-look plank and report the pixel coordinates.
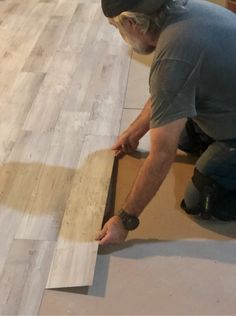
(46, 46)
(44, 212)
(65, 7)
(19, 175)
(46, 109)
(14, 109)
(63, 75)
(76, 250)
(23, 277)
(18, 36)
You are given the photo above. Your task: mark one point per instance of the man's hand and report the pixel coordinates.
(113, 232)
(125, 144)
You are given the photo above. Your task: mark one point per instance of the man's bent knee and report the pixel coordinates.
(201, 195)
(206, 197)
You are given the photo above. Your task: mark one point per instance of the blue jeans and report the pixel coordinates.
(219, 163)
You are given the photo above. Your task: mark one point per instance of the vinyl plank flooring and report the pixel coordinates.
(5, 37)
(8, 7)
(65, 7)
(108, 99)
(48, 104)
(103, 93)
(14, 109)
(76, 250)
(18, 177)
(42, 217)
(38, 14)
(81, 89)
(46, 46)
(18, 45)
(23, 277)
(17, 7)
(36, 179)
(86, 19)
(63, 76)
(5, 244)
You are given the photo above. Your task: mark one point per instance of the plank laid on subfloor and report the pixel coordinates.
(45, 48)
(14, 109)
(41, 219)
(47, 106)
(23, 277)
(17, 41)
(65, 7)
(5, 244)
(76, 250)
(50, 119)
(18, 177)
(102, 93)
(86, 16)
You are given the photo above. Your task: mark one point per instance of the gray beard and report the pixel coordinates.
(140, 48)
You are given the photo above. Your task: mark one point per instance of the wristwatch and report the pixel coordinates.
(129, 222)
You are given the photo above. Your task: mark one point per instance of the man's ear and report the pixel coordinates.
(129, 23)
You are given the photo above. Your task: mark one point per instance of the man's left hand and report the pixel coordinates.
(113, 232)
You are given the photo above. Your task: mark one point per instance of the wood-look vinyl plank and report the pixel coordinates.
(14, 109)
(76, 250)
(83, 26)
(18, 177)
(5, 244)
(8, 7)
(47, 106)
(86, 74)
(107, 100)
(49, 1)
(17, 7)
(65, 7)
(49, 163)
(31, 22)
(42, 218)
(13, 22)
(18, 45)
(24, 276)
(47, 44)
(88, 91)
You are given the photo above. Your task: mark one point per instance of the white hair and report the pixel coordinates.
(154, 21)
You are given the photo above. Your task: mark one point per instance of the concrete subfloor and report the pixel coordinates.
(173, 264)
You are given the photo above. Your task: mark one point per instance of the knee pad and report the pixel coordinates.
(209, 193)
(191, 201)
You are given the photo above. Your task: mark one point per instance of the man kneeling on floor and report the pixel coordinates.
(192, 104)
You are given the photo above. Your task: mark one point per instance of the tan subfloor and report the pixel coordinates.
(173, 264)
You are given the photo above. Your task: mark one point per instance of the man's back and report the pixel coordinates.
(196, 55)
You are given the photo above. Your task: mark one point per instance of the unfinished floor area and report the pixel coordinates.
(173, 264)
(62, 67)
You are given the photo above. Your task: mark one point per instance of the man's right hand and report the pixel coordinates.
(125, 144)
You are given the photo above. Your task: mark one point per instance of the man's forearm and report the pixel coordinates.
(140, 125)
(147, 183)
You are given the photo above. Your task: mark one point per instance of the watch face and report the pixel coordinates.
(132, 223)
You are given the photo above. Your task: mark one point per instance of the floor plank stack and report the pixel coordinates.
(63, 78)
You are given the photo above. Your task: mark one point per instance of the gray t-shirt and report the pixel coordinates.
(193, 73)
